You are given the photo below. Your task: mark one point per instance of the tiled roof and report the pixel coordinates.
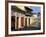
(27, 12)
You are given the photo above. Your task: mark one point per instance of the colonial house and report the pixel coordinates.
(21, 18)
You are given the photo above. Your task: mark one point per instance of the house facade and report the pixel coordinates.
(24, 20)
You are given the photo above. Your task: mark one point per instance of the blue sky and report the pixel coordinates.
(36, 9)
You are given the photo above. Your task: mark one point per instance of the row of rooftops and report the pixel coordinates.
(27, 11)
